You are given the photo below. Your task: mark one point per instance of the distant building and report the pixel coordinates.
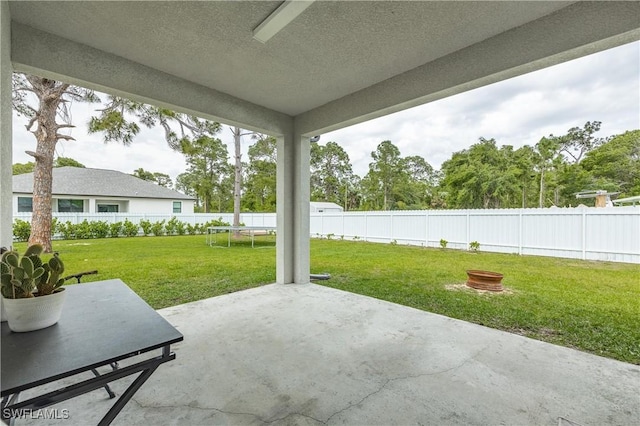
(322, 207)
(84, 190)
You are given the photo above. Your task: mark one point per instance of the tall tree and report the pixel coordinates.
(162, 179)
(548, 159)
(579, 141)
(208, 174)
(158, 178)
(143, 174)
(480, 177)
(238, 133)
(615, 164)
(260, 181)
(331, 173)
(523, 165)
(384, 174)
(46, 103)
(421, 181)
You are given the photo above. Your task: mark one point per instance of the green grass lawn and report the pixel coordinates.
(591, 306)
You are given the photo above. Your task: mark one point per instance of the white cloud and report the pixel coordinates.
(603, 87)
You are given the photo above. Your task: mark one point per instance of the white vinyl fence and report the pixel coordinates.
(610, 234)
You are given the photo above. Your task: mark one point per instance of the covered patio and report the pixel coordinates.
(305, 354)
(312, 355)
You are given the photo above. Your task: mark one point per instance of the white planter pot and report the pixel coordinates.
(3, 313)
(34, 313)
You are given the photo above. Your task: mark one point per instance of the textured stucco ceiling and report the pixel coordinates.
(337, 63)
(330, 50)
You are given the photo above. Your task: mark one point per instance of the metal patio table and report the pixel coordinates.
(102, 323)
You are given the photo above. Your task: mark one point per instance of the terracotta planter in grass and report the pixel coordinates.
(484, 280)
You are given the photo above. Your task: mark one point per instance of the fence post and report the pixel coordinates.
(366, 226)
(391, 219)
(426, 228)
(520, 232)
(584, 234)
(468, 230)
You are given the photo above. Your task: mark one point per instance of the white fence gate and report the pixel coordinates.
(610, 234)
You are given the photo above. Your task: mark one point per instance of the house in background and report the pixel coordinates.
(78, 190)
(324, 207)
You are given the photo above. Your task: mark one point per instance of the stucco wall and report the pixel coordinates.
(134, 205)
(145, 205)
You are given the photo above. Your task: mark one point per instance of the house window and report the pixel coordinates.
(177, 206)
(70, 206)
(25, 204)
(108, 208)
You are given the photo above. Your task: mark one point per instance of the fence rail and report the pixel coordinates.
(609, 234)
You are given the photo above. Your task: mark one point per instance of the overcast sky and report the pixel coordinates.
(603, 87)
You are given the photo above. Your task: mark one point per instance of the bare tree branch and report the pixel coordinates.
(65, 137)
(33, 154)
(61, 126)
(30, 123)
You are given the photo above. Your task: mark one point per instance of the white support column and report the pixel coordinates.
(293, 195)
(6, 142)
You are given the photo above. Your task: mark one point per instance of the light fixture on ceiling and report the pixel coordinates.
(280, 18)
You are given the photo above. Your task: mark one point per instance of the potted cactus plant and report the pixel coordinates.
(32, 292)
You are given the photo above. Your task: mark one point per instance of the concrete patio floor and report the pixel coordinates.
(311, 355)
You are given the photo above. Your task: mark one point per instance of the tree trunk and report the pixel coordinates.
(46, 135)
(385, 199)
(541, 198)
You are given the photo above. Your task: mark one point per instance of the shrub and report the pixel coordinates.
(216, 222)
(146, 226)
(21, 230)
(67, 230)
(474, 246)
(54, 226)
(129, 228)
(171, 226)
(180, 228)
(158, 228)
(443, 243)
(115, 229)
(100, 229)
(83, 230)
(193, 229)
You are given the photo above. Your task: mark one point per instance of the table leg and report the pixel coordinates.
(114, 366)
(126, 396)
